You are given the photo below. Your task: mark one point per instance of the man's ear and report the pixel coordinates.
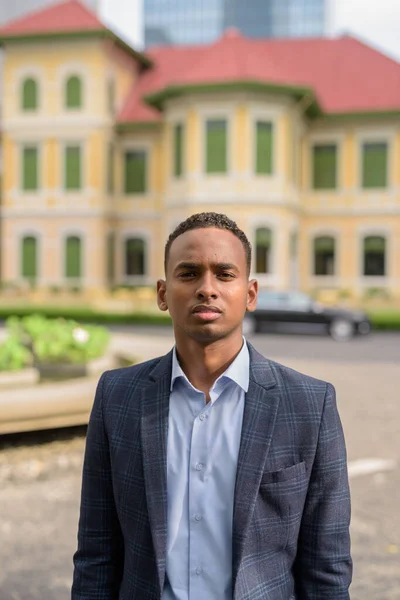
(252, 294)
(162, 295)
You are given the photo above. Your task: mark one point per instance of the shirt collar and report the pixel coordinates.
(238, 371)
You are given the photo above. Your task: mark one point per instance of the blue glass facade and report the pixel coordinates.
(203, 21)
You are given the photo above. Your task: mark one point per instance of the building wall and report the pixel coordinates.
(284, 202)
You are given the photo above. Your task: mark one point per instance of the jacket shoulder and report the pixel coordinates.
(138, 374)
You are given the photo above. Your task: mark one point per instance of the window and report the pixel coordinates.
(30, 169)
(374, 256)
(135, 172)
(324, 255)
(324, 167)
(264, 148)
(29, 95)
(29, 258)
(73, 168)
(263, 250)
(134, 257)
(178, 150)
(216, 146)
(73, 257)
(73, 93)
(374, 165)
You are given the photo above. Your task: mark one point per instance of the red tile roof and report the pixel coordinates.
(64, 17)
(345, 74)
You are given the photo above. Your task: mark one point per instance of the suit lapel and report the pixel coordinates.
(261, 406)
(154, 432)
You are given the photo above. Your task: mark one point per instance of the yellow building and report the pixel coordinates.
(106, 149)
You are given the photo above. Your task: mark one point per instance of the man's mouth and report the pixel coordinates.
(207, 313)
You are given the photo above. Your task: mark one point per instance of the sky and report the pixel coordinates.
(374, 21)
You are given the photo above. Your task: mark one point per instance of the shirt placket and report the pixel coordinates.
(198, 470)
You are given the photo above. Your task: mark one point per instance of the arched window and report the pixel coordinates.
(29, 100)
(134, 257)
(29, 258)
(324, 255)
(73, 92)
(263, 250)
(374, 252)
(73, 257)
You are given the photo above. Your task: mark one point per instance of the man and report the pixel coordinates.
(212, 473)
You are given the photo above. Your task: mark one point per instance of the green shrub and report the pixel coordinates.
(85, 314)
(59, 340)
(385, 319)
(13, 355)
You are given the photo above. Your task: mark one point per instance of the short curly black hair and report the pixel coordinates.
(203, 221)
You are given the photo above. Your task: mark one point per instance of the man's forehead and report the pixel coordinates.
(205, 238)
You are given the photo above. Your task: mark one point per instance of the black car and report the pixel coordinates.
(295, 312)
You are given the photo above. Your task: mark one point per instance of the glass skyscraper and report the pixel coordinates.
(203, 21)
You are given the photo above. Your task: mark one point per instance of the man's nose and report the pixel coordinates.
(207, 286)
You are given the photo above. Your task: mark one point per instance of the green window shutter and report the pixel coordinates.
(29, 258)
(134, 256)
(324, 244)
(111, 95)
(216, 146)
(135, 172)
(178, 150)
(264, 148)
(29, 95)
(72, 168)
(374, 244)
(73, 92)
(73, 257)
(30, 169)
(110, 169)
(263, 250)
(324, 167)
(374, 165)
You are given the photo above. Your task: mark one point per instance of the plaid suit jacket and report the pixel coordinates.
(291, 507)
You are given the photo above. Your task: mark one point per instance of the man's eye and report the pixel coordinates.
(187, 275)
(226, 275)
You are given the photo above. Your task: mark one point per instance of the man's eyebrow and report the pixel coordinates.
(192, 265)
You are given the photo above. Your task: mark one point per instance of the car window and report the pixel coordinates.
(272, 300)
(299, 301)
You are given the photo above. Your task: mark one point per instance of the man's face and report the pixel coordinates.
(207, 291)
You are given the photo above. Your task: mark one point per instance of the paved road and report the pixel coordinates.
(377, 347)
(40, 495)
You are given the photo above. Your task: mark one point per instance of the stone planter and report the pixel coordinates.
(65, 371)
(13, 379)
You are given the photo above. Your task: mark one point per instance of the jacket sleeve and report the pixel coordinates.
(98, 561)
(323, 567)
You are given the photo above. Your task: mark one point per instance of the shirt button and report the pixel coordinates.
(202, 417)
(199, 571)
(198, 517)
(199, 467)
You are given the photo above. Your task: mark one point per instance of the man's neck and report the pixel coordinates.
(204, 363)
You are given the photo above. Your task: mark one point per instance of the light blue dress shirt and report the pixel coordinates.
(202, 455)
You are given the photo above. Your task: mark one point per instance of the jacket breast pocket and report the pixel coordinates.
(286, 474)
